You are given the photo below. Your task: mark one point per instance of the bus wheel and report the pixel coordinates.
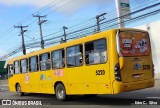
(60, 92)
(19, 91)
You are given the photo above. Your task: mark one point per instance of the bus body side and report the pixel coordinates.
(85, 79)
(90, 78)
(13, 79)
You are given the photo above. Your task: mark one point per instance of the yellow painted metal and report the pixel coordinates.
(83, 79)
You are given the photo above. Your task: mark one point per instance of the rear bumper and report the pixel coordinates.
(119, 87)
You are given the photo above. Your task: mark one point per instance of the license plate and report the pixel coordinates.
(137, 76)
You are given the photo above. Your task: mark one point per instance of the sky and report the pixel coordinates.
(58, 13)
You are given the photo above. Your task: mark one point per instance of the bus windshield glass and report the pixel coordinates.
(134, 43)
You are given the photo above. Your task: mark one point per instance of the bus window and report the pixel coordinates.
(45, 62)
(134, 43)
(75, 56)
(58, 59)
(96, 52)
(33, 64)
(24, 65)
(16, 67)
(10, 69)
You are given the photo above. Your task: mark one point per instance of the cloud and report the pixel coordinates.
(2, 53)
(63, 6)
(37, 3)
(71, 6)
(32, 50)
(41, 3)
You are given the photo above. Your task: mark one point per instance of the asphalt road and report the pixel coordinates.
(100, 101)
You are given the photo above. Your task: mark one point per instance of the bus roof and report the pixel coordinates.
(70, 43)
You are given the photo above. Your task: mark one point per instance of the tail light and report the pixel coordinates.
(117, 72)
(153, 70)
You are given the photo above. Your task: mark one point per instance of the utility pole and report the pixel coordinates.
(22, 33)
(40, 22)
(99, 20)
(120, 19)
(65, 35)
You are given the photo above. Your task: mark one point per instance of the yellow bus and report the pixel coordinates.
(109, 62)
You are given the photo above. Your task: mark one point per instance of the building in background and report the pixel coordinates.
(154, 31)
(3, 71)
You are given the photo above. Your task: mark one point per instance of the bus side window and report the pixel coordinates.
(24, 65)
(10, 69)
(45, 62)
(33, 64)
(16, 67)
(62, 58)
(58, 59)
(95, 52)
(75, 56)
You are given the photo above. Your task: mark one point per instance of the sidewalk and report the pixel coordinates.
(157, 76)
(3, 85)
(3, 82)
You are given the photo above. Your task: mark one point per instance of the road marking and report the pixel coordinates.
(153, 97)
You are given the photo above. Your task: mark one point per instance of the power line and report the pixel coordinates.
(115, 19)
(30, 16)
(49, 6)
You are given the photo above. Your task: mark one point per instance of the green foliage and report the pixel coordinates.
(2, 69)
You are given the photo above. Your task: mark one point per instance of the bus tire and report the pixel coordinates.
(60, 92)
(18, 90)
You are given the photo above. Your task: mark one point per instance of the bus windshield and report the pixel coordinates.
(134, 43)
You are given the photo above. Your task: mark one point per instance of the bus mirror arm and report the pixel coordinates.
(121, 60)
(118, 44)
